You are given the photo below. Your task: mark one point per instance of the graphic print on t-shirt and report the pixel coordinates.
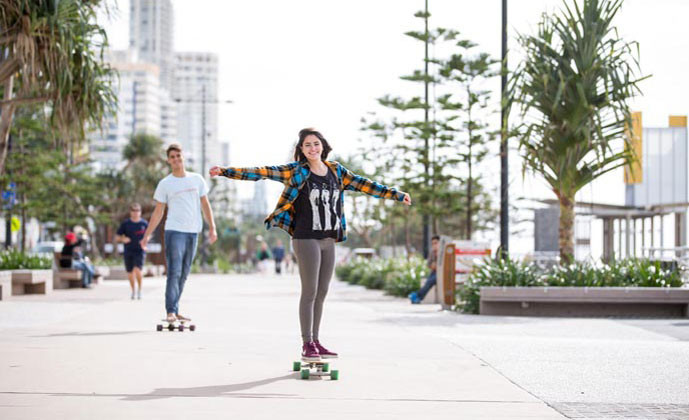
(317, 209)
(323, 198)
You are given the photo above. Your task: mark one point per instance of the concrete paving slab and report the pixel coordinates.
(96, 354)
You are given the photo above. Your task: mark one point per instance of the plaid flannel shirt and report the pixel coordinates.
(294, 175)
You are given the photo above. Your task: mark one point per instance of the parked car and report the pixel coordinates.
(47, 247)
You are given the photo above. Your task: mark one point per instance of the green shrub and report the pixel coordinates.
(17, 260)
(397, 276)
(405, 276)
(494, 273)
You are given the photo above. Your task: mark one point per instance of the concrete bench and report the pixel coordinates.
(117, 273)
(5, 284)
(65, 278)
(585, 301)
(32, 281)
(102, 272)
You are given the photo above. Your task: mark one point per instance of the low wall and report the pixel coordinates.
(585, 301)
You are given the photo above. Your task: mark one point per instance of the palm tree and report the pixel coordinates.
(573, 89)
(51, 51)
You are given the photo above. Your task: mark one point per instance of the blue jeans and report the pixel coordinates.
(87, 271)
(180, 248)
(430, 282)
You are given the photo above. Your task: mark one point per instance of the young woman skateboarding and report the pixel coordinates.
(311, 210)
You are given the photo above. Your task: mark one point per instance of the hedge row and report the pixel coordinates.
(397, 276)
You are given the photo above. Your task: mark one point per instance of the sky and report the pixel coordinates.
(287, 65)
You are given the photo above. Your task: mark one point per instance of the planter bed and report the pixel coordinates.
(586, 301)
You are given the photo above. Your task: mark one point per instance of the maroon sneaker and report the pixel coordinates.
(309, 352)
(325, 353)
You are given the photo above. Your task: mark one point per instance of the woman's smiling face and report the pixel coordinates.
(312, 147)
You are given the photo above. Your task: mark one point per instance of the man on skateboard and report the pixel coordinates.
(186, 196)
(130, 233)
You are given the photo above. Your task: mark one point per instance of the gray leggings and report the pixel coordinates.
(316, 260)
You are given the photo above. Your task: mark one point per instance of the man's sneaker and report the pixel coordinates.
(309, 352)
(325, 353)
(170, 318)
(133, 296)
(414, 297)
(138, 295)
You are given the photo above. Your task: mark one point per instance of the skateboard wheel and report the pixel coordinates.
(335, 375)
(181, 328)
(192, 328)
(326, 366)
(159, 327)
(304, 374)
(296, 366)
(171, 327)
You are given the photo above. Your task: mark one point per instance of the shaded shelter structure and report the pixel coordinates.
(656, 199)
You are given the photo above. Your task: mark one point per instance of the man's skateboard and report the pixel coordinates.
(320, 368)
(175, 325)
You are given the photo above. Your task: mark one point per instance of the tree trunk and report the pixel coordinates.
(469, 158)
(23, 227)
(407, 234)
(6, 115)
(95, 251)
(566, 231)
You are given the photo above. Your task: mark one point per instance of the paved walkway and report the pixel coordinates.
(84, 354)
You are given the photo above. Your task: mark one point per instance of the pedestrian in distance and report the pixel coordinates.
(185, 194)
(130, 233)
(419, 295)
(311, 211)
(263, 256)
(278, 256)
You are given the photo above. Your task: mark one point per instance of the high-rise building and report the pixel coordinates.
(139, 110)
(196, 93)
(151, 35)
(256, 207)
(224, 193)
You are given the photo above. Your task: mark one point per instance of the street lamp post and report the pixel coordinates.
(204, 134)
(504, 174)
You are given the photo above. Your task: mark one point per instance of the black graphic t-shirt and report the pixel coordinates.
(317, 208)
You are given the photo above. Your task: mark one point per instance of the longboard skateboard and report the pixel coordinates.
(320, 368)
(175, 325)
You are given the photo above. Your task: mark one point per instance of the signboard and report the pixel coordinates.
(466, 255)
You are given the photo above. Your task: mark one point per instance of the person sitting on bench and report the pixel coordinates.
(72, 257)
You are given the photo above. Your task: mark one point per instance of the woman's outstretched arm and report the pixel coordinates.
(354, 182)
(280, 173)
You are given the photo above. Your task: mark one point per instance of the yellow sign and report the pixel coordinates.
(677, 121)
(15, 224)
(633, 173)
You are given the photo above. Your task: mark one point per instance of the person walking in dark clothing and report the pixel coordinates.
(278, 256)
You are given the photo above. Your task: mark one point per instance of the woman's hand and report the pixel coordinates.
(407, 199)
(215, 171)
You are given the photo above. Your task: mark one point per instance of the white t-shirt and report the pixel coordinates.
(183, 198)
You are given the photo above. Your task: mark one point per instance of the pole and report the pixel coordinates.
(203, 168)
(504, 178)
(134, 108)
(8, 217)
(426, 221)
